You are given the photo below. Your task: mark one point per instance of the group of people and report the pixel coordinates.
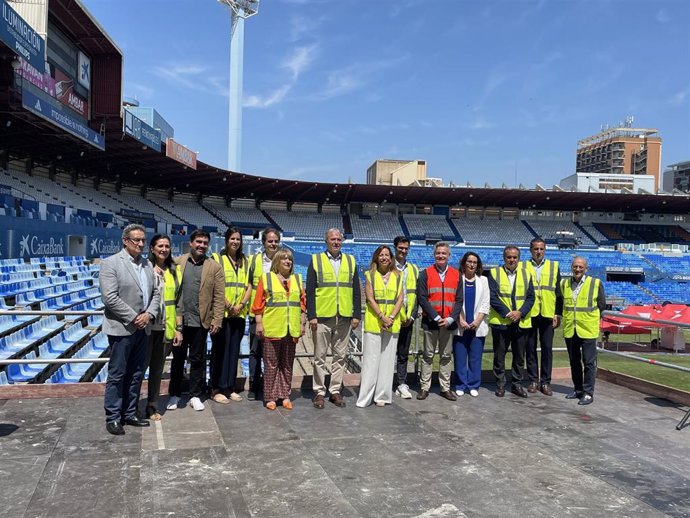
(159, 305)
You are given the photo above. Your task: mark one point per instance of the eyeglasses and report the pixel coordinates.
(136, 241)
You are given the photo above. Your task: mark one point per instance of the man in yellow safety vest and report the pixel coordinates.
(583, 302)
(334, 307)
(545, 314)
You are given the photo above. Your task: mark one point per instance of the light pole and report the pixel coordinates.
(239, 11)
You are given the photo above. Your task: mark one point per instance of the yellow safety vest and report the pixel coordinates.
(386, 296)
(256, 270)
(171, 290)
(410, 289)
(334, 295)
(581, 316)
(235, 281)
(505, 294)
(545, 289)
(283, 313)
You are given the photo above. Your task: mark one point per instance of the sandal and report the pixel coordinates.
(271, 405)
(235, 396)
(152, 413)
(287, 404)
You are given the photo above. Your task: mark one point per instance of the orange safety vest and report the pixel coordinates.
(442, 294)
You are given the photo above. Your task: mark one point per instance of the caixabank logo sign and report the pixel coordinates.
(104, 246)
(31, 245)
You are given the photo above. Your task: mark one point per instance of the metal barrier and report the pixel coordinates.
(640, 318)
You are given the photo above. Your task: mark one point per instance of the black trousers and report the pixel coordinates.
(513, 337)
(194, 342)
(403, 353)
(583, 363)
(225, 353)
(255, 352)
(158, 350)
(542, 332)
(125, 372)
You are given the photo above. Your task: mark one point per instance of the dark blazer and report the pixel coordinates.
(211, 292)
(429, 313)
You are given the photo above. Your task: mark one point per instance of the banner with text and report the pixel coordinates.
(64, 92)
(180, 153)
(22, 38)
(139, 130)
(36, 78)
(49, 109)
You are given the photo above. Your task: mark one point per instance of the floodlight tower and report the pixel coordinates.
(239, 11)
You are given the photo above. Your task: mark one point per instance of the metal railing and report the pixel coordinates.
(649, 361)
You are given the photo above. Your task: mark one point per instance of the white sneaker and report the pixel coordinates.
(196, 404)
(172, 403)
(474, 392)
(404, 391)
(459, 393)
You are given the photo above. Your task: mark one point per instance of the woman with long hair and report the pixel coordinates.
(225, 349)
(468, 343)
(164, 331)
(280, 307)
(382, 318)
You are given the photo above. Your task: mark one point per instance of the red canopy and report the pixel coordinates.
(620, 325)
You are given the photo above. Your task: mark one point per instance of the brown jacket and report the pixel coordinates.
(211, 292)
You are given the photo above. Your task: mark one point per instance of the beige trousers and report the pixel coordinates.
(440, 339)
(334, 333)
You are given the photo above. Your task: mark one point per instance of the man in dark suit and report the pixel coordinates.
(131, 304)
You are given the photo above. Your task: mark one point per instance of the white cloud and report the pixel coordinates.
(139, 91)
(193, 77)
(662, 16)
(299, 60)
(679, 97)
(493, 81)
(353, 77)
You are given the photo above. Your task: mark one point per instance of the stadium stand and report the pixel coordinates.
(236, 216)
(306, 225)
(379, 227)
(548, 230)
(422, 225)
(492, 232)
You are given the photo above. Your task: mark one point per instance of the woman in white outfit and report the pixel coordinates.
(468, 344)
(384, 293)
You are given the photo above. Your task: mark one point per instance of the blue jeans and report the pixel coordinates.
(467, 352)
(125, 373)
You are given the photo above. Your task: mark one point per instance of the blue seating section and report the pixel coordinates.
(29, 335)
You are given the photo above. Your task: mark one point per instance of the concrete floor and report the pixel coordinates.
(478, 457)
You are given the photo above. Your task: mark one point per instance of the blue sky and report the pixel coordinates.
(480, 89)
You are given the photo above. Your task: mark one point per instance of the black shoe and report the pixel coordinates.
(574, 395)
(422, 394)
(114, 428)
(586, 400)
(448, 395)
(135, 421)
(518, 390)
(251, 395)
(500, 391)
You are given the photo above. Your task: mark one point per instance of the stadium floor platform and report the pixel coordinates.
(481, 456)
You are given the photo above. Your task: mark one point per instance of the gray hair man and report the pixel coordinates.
(131, 304)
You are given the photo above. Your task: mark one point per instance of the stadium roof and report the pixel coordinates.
(125, 160)
(24, 135)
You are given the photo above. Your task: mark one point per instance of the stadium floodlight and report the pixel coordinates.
(239, 11)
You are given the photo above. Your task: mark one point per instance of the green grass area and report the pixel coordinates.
(653, 373)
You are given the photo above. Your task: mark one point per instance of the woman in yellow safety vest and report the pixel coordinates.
(280, 310)
(384, 294)
(225, 347)
(164, 331)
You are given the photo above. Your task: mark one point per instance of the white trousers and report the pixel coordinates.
(378, 365)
